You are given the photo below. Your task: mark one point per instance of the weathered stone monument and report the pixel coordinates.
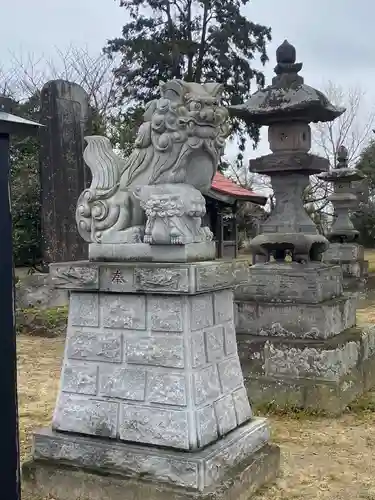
(65, 114)
(152, 402)
(344, 250)
(295, 329)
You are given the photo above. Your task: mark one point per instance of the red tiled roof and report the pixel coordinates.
(223, 185)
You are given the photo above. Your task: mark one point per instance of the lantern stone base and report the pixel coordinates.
(350, 256)
(297, 340)
(300, 321)
(67, 466)
(281, 282)
(322, 375)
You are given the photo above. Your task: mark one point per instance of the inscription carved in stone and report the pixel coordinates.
(225, 414)
(230, 374)
(162, 279)
(207, 387)
(167, 388)
(80, 379)
(207, 425)
(161, 351)
(215, 342)
(122, 383)
(201, 311)
(223, 305)
(86, 416)
(117, 277)
(242, 405)
(94, 346)
(198, 349)
(230, 339)
(154, 426)
(74, 276)
(124, 311)
(84, 309)
(166, 314)
(219, 276)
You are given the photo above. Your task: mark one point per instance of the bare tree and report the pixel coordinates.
(353, 128)
(27, 74)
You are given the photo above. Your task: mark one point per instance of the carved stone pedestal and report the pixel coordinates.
(142, 252)
(350, 256)
(152, 392)
(297, 339)
(69, 467)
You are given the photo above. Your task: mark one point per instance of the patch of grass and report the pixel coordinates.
(39, 363)
(293, 412)
(364, 404)
(42, 322)
(366, 315)
(370, 256)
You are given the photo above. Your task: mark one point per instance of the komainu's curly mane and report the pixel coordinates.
(185, 123)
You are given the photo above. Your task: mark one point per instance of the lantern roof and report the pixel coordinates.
(288, 98)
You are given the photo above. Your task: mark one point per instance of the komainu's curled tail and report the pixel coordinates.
(104, 164)
(97, 210)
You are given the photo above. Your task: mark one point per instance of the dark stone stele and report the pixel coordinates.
(66, 115)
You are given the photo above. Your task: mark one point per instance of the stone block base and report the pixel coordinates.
(113, 252)
(291, 283)
(323, 375)
(68, 467)
(151, 368)
(350, 256)
(343, 252)
(149, 277)
(309, 321)
(355, 274)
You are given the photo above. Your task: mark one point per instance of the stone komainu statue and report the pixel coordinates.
(176, 151)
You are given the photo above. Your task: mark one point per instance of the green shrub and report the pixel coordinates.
(49, 322)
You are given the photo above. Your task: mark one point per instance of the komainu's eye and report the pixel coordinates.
(195, 106)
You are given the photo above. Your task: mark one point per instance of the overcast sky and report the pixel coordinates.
(334, 39)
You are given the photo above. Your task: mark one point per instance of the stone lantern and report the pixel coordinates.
(296, 333)
(287, 107)
(343, 249)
